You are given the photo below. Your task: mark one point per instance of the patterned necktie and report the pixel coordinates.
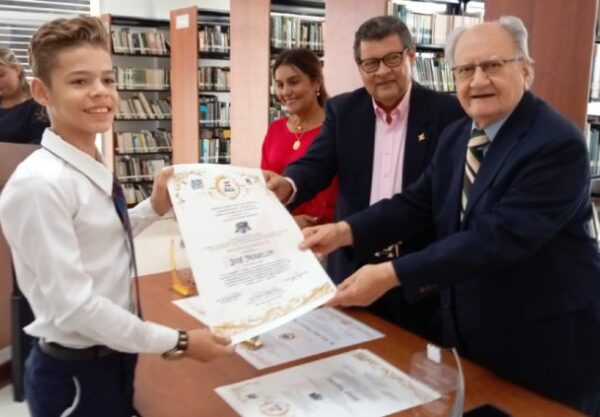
(475, 147)
(120, 202)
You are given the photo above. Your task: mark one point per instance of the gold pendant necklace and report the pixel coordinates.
(298, 140)
(297, 143)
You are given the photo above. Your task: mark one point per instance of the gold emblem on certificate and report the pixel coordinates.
(227, 187)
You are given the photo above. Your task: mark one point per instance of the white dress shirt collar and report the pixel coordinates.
(94, 169)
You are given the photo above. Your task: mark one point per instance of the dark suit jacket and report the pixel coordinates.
(345, 148)
(522, 270)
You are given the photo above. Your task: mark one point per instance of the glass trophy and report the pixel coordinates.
(181, 273)
(441, 370)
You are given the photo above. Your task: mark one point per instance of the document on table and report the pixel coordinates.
(242, 245)
(352, 384)
(321, 330)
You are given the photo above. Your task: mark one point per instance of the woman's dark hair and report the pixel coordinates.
(308, 63)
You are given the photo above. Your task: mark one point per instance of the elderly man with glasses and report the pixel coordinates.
(377, 140)
(507, 193)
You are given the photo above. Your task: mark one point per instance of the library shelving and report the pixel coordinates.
(294, 24)
(430, 22)
(201, 90)
(140, 142)
(251, 53)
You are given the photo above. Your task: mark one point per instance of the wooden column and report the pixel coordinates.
(249, 79)
(342, 19)
(561, 40)
(184, 85)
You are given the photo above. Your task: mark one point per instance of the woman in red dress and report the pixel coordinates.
(299, 87)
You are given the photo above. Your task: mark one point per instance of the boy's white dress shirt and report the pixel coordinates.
(71, 254)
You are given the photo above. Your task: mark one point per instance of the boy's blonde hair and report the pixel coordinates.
(60, 34)
(8, 58)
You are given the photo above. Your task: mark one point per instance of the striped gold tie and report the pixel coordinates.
(475, 148)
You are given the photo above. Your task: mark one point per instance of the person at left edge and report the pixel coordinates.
(64, 216)
(22, 119)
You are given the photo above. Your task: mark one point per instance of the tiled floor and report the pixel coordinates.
(152, 250)
(9, 408)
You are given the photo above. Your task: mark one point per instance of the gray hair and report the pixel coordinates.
(380, 27)
(513, 26)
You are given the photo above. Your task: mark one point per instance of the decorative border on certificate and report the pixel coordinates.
(232, 328)
(389, 372)
(224, 186)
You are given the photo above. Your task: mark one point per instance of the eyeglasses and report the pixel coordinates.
(391, 60)
(492, 67)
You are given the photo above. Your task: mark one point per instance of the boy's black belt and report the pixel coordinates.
(70, 354)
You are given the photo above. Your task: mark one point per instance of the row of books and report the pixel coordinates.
(296, 32)
(213, 113)
(433, 71)
(595, 85)
(147, 42)
(140, 168)
(213, 78)
(134, 193)
(593, 139)
(432, 29)
(215, 151)
(215, 133)
(214, 39)
(159, 140)
(142, 78)
(139, 107)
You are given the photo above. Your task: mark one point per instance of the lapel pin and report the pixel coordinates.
(421, 137)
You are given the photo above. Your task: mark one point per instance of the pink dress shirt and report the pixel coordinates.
(388, 159)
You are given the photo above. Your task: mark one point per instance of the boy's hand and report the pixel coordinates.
(160, 199)
(279, 185)
(204, 345)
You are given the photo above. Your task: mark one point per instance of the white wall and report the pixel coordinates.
(157, 9)
(162, 8)
(137, 8)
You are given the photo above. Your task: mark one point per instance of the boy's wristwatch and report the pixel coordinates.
(180, 348)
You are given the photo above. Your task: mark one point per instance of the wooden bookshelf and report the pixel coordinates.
(250, 62)
(185, 89)
(561, 38)
(140, 51)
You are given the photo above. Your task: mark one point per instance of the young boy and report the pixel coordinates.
(69, 245)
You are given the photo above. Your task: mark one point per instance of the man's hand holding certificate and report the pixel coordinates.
(243, 250)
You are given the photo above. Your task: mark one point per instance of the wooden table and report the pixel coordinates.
(185, 388)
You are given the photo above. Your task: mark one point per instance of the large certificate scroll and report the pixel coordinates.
(243, 250)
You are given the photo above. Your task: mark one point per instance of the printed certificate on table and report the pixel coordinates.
(242, 245)
(352, 384)
(321, 330)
